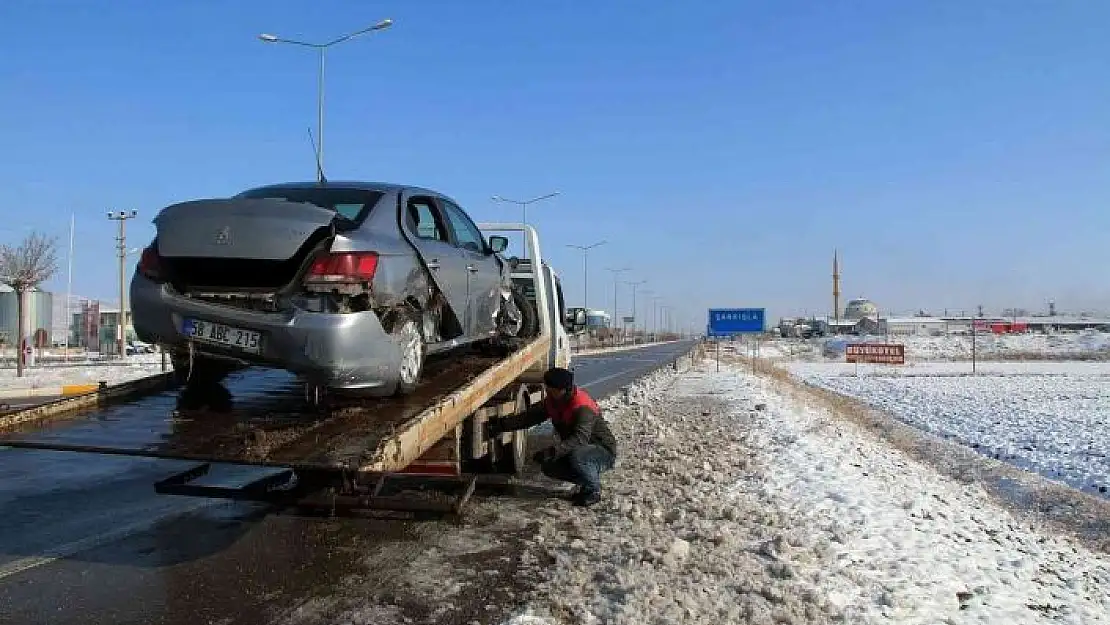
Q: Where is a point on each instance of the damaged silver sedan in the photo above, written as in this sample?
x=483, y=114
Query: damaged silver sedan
x=349, y=285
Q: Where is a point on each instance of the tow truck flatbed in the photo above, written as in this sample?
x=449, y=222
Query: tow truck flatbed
x=368, y=436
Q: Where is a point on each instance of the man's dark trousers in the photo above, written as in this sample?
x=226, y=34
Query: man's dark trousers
x=582, y=465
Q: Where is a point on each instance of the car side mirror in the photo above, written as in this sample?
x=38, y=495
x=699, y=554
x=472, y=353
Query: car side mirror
x=498, y=244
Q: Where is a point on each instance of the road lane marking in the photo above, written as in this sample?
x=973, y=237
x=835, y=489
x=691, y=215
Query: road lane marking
x=90, y=542
x=610, y=377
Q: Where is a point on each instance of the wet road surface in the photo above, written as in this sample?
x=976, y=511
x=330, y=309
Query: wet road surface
x=84, y=539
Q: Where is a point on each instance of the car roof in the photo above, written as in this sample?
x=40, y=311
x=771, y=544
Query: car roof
x=360, y=185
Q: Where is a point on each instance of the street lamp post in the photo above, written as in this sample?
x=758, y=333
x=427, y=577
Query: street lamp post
x=121, y=248
x=321, y=49
x=616, y=280
x=655, y=317
x=634, y=313
x=586, y=270
x=523, y=204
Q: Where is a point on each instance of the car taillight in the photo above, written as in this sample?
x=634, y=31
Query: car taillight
x=344, y=267
x=150, y=264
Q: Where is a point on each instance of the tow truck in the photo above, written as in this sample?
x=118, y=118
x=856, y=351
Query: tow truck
x=350, y=455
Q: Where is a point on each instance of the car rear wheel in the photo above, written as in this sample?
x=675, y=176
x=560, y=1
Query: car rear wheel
x=528, y=325
x=410, y=341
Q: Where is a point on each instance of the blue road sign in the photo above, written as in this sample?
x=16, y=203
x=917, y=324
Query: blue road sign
x=733, y=321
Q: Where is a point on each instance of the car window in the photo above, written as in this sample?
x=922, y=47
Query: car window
x=425, y=221
x=350, y=211
x=354, y=204
x=467, y=234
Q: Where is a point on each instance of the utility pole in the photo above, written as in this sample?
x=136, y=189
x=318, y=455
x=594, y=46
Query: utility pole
x=121, y=218
x=586, y=271
x=635, y=321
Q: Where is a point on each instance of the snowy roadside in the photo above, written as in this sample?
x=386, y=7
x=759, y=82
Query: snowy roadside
x=734, y=503
x=55, y=376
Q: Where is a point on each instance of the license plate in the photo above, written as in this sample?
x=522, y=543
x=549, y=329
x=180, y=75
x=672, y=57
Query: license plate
x=246, y=340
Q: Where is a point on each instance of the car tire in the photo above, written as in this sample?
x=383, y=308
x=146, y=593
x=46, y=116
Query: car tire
x=512, y=457
x=413, y=352
x=529, y=319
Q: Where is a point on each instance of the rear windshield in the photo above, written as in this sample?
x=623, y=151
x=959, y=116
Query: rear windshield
x=354, y=204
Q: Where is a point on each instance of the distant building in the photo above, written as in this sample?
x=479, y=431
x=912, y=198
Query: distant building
x=913, y=326
x=1017, y=325
x=861, y=309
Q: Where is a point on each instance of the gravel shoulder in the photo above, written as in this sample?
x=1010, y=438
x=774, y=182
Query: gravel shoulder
x=732, y=502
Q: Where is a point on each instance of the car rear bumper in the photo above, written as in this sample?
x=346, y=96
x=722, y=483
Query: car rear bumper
x=349, y=351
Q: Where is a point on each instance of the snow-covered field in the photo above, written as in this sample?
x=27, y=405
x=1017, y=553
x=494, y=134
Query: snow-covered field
x=1062, y=346
x=733, y=503
x=1049, y=417
x=90, y=372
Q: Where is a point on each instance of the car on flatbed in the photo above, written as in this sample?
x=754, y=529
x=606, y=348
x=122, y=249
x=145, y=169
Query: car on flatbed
x=349, y=285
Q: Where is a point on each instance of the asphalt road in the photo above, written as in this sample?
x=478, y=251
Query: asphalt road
x=85, y=540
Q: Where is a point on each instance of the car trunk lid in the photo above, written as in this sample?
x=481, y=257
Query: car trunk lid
x=258, y=229
x=255, y=244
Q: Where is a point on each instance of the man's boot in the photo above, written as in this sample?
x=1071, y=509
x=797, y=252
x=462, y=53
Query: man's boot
x=586, y=498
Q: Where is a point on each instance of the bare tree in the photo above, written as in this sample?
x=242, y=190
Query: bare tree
x=24, y=268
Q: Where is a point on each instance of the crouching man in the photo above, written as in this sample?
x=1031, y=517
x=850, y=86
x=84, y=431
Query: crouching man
x=585, y=446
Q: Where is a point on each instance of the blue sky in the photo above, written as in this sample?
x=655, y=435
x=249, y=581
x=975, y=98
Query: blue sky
x=956, y=153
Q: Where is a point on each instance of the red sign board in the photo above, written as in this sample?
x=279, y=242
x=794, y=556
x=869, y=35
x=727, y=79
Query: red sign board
x=884, y=353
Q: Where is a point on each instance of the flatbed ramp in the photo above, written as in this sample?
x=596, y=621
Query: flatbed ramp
x=369, y=436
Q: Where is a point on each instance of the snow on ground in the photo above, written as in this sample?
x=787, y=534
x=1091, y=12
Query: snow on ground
x=1048, y=417
x=732, y=503
x=49, y=376
x=1059, y=346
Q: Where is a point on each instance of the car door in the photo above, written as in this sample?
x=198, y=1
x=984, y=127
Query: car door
x=481, y=266
x=431, y=234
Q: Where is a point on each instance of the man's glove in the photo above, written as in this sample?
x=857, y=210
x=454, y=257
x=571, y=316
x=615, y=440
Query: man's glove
x=543, y=455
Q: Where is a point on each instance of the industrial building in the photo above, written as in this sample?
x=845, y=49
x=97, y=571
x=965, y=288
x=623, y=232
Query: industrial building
x=39, y=316
x=913, y=326
x=96, y=328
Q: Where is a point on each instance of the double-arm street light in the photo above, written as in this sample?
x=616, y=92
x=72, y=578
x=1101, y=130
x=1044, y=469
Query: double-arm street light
x=586, y=270
x=322, y=48
x=523, y=204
